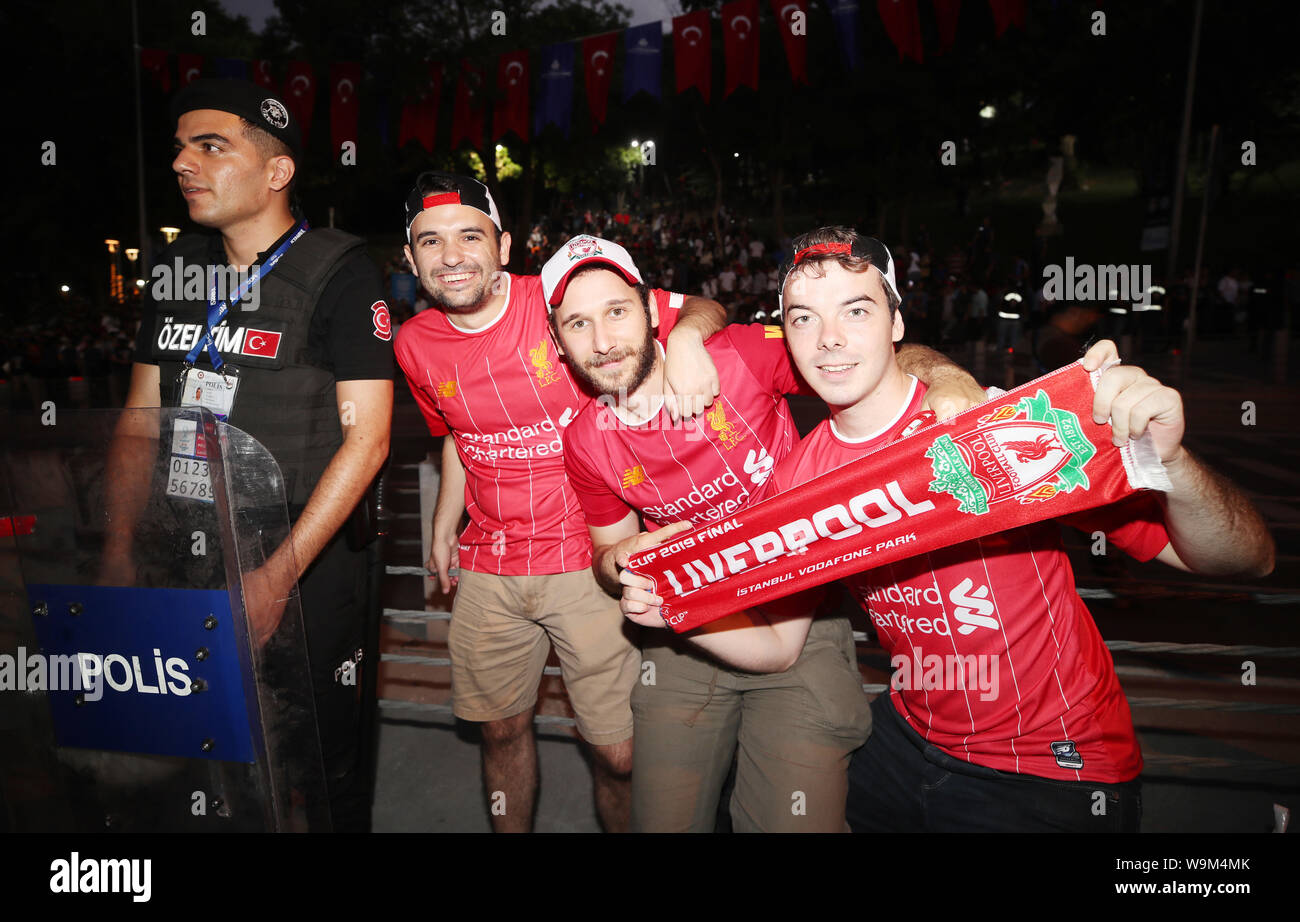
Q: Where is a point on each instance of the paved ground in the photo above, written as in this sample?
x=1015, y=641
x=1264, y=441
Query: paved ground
x=1207, y=769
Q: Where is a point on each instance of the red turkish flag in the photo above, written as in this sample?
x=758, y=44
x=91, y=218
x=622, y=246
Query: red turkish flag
x=947, y=12
x=345, y=84
x=262, y=74
x=691, y=52
x=511, y=110
x=154, y=61
x=420, y=118
x=903, y=25
x=740, y=44
x=261, y=342
x=1007, y=13
x=300, y=95
x=794, y=37
x=189, y=67
x=467, y=111
x=597, y=68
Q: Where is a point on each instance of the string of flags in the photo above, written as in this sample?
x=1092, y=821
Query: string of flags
x=642, y=50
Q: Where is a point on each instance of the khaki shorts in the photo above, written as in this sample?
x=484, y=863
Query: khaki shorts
x=792, y=735
x=502, y=629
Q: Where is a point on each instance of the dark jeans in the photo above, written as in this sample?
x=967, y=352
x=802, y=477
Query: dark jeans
x=900, y=783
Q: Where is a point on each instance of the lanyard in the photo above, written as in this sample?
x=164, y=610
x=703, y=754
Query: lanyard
x=218, y=309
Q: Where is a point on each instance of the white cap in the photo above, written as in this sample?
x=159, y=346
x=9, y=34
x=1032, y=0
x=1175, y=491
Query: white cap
x=580, y=251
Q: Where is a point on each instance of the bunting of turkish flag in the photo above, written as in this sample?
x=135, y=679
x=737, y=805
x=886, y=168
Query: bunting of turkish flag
x=467, y=110
x=300, y=95
x=947, y=12
x=903, y=24
x=1007, y=13
x=154, y=61
x=262, y=74
x=419, y=120
x=511, y=110
x=794, y=35
x=691, y=52
x=740, y=44
x=597, y=69
x=345, y=81
x=189, y=67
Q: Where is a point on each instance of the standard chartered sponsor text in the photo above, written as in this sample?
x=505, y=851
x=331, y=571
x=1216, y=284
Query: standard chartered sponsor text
x=512, y=444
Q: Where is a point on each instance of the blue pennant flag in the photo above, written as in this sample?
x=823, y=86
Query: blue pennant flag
x=643, y=55
x=845, y=14
x=555, y=99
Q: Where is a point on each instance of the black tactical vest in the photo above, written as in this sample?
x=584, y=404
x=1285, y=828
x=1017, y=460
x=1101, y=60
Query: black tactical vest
x=285, y=403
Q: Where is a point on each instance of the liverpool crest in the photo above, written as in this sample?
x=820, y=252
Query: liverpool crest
x=728, y=434
x=1028, y=451
x=582, y=247
x=543, y=367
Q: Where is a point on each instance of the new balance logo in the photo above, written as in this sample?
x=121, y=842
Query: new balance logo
x=1066, y=755
x=633, y=476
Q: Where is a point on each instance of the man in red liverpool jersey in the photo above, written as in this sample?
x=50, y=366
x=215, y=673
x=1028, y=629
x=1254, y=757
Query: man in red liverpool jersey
x=793, y=723
x=484, y=370
x=1004, y=712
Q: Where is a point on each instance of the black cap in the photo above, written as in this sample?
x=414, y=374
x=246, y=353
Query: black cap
x=461, y=190
x=255, y=104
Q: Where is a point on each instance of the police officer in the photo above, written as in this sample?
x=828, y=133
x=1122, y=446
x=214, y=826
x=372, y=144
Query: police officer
x=311, y=363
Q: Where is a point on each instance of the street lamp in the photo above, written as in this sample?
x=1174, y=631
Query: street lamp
x=170, y=234
x=114, y=276
x=988, y=112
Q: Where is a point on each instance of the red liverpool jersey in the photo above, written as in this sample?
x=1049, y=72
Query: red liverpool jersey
x=995, y=657
x=506, y=397
x=701, y=469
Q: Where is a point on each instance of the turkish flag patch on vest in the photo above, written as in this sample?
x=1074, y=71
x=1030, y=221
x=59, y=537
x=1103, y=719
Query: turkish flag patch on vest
x=383, y=323
x=261, y=342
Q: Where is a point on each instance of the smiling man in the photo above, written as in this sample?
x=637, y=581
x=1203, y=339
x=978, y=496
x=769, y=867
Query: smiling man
x=485, y=372
x=1048, y=744
x=311, y=357
x=791, y=730
x=791, y=722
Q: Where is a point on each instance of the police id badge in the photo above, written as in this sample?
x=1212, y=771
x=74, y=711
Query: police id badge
x=188, y=474
x=214, y=391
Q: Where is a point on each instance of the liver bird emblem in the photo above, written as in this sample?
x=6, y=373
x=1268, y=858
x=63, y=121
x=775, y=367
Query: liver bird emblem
x=1031, y=451
x=541, y=361
x=727, y=432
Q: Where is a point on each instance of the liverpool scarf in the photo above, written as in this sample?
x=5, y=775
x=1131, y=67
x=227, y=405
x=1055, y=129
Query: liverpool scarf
x=1031, y=454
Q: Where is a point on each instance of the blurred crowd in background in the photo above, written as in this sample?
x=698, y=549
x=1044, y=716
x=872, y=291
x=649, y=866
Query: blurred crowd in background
x=955, y=293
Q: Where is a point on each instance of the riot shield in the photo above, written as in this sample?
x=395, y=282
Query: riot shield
x=135, y=695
